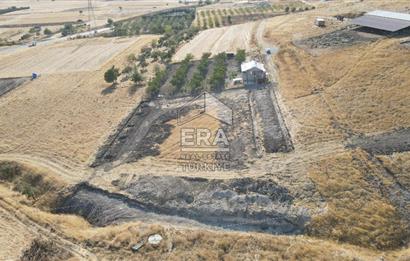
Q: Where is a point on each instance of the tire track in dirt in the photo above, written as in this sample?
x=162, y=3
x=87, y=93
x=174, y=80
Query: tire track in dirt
x=70, y=173
x=37, y=229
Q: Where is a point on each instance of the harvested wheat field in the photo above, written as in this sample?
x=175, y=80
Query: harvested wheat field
x=217, y=40
x=64, y=57
x=64, y=114
x=43, y=12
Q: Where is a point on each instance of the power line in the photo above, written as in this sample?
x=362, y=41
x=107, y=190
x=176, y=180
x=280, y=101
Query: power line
x=91, y=14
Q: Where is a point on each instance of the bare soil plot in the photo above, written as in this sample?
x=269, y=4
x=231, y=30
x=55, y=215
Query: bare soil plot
x=153, y=130
x=71, y=108
x=64, y=57
x=217, y=40
x=272, y=134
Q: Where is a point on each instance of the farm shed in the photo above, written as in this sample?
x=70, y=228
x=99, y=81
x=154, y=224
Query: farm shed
x=253, y=72
x=384, y=20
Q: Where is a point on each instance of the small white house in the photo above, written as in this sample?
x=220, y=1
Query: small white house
x=320, y=22
x=253, y=72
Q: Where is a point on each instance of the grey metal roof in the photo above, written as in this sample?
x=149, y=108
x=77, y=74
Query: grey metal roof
x=381, y=22
x=388, y=14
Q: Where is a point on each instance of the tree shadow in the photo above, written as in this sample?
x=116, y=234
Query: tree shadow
x=110, y=89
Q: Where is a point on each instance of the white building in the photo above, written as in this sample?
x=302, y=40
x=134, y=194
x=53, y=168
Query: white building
x=253, y=73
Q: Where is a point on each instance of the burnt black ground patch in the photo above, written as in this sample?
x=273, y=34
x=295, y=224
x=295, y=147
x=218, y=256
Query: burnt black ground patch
x=255, y=130
x=238, y=204
x=8, y=84
x=337, y=39
x=386, y=143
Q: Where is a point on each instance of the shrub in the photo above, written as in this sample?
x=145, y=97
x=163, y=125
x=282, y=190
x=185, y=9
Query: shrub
x=127, y=70
x=47, y=31
x=199, y=76
x=25, y=36
x=178, y=80
x=111, y=75
x=136, y=76
x=67, y=30
x=9, y=171
x=240, y=56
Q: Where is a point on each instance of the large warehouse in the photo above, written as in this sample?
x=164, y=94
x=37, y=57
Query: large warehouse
x=384, y=20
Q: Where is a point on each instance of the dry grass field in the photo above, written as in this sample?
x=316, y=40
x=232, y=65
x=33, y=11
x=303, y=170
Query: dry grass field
x=217, y=40
x=30, y=217
x=69, y=11
x=64, y=57
x=329, y=99
x=67, y=115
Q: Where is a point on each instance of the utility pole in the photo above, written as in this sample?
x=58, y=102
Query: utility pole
x=91, y=14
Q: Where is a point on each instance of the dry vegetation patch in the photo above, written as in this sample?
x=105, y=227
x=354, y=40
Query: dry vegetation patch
x=357, y=212
x=66, y=116
x=398, y=165
x=63, y=57
x=218, y=40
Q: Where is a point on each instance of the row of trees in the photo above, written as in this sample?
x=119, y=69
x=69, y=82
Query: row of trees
x=218, y=17
x=217, y=80
x=196, y=84
x=154, y=85
x=175, y=29
x=153, y=24
x=179, y=78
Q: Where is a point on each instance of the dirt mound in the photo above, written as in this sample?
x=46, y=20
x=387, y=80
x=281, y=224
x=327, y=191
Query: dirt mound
x=44, y=250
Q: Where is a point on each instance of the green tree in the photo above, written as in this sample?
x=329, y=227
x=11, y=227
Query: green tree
x=179, y=78
x=111, y=75
x=217, y=80
x=154, y=85
x=136, y=76
x=25, y=36
x=47, y=31
x=240, y=55
x=67, y=30
x=229, y=19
